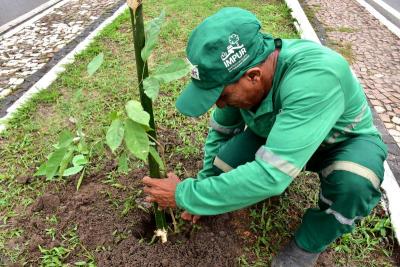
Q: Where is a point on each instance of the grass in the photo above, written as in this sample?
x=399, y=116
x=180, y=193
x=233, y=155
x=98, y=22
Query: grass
x=340, y=29
x=343, y=48
x=36, y=126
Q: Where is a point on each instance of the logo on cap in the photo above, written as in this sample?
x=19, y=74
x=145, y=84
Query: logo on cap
x=235, y=55
x=194, y=72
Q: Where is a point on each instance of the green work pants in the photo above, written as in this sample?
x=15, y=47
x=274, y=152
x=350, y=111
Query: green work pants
x=350, y=174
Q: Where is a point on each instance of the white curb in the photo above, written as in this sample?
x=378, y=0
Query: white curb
x=52, y=75
x=389, y=185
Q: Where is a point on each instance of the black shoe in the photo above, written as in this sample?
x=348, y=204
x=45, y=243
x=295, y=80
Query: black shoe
x=293, y=256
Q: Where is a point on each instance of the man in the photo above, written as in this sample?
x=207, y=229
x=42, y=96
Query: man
x=282, y=105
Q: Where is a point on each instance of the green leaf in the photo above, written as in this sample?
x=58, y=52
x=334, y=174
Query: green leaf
x=136, y=113
x=115, y=134
x=66, y=160
x=177, y=69
x=65, y=139
x=151, y=87
x=152, y=31
x=136, y=139
x=123, y=163
x=73, y=170
x=78, y=185
x=79, y=160
x=156, y=157
x=95, y=64
x=54, y=162
x=83, y=147
x=41, y=170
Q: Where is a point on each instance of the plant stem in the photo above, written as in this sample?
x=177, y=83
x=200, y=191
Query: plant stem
x=142, y=73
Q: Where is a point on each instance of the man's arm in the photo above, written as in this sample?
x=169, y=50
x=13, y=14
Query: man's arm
x=224, y=123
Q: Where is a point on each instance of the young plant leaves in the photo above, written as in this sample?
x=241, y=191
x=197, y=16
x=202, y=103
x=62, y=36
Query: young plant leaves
x=151, y=87
x=73, y=170
x=157, y=158
x=41, y=170
x=66, y=138
x=173, y=71
x=95, y=64
x=115, y=134
x=66, y=160
x=136, y=113
x=136, y=139
x=79, y=160
x=54, y=162
x=152, y=31
x=177, y=69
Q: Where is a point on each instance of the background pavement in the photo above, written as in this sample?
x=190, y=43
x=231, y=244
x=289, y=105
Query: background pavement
x=374, y=54
x=28, y=54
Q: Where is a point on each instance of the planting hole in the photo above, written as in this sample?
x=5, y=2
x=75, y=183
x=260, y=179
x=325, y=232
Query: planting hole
x=145, y=229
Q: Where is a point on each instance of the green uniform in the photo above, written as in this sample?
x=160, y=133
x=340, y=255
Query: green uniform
x=315, y=115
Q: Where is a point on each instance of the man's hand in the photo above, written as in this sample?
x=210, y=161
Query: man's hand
x=189, y=217
x=161, y=191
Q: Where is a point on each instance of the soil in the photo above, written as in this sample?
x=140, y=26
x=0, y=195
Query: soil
x=94, y=214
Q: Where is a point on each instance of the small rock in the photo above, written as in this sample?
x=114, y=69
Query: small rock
x=394, y=132
x=46, y=202
x=396, y=120
x=23, y=179
x=5, y=93
x=222, y=233
x=379, y=109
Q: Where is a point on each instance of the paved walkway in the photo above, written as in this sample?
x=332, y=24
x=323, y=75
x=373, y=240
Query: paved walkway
x=374, y=52
x=25, y=55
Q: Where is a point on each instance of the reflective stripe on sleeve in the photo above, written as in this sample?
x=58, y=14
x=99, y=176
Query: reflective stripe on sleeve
x=222, y=165
x=350, y=127
x=276, y=161
x=325, y=200
x=353, y=168
x=224, y=130
x=339, y=217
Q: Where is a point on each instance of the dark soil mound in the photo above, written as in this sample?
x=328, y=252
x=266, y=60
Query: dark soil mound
x=95, y=214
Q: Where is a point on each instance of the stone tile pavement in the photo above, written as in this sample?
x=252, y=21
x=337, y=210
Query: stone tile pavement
x=374, y=53
x=28, y=54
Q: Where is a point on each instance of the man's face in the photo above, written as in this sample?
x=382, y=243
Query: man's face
x=245, y=93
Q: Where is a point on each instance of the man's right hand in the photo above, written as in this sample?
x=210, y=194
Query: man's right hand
x=189, y=217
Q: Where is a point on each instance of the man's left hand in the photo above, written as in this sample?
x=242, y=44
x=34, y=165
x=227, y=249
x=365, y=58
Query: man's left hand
x=161, y=191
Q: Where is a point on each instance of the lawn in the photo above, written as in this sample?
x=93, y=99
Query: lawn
x=106, y=222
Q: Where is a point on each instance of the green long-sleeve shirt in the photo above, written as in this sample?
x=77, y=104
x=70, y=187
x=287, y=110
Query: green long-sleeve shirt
x=314, y=101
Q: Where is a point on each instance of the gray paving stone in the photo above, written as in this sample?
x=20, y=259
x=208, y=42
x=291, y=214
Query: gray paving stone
x=33, y=46
x=375, y=61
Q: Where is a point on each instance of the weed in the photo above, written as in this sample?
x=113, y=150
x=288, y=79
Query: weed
x=54, y=256
x=51, y=232
x=340, y=29
x=343, y=48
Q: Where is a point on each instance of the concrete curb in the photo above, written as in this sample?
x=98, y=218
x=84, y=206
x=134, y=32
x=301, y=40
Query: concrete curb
x=389, y=185
x=52, y=75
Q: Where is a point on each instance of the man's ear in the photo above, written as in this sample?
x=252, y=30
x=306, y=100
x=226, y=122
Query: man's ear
x=253, y=74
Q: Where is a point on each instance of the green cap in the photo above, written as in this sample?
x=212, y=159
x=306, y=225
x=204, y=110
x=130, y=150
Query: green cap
x=221, y=49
